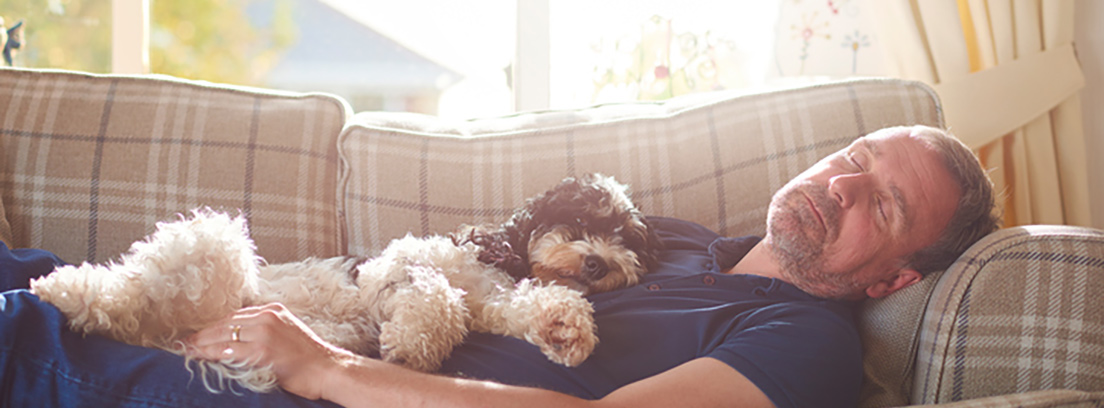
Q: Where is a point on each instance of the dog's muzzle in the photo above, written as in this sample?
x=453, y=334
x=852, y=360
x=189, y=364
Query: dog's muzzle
x=594, y=267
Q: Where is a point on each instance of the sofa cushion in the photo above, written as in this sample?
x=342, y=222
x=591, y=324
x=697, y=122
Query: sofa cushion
x=1020, y=311
x=713, y=158
x=89, y=163
x=890, y=331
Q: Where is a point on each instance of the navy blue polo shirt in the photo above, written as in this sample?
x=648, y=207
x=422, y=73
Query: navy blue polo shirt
x=798, y=349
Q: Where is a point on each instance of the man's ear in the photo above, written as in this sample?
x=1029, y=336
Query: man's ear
x=904, y=278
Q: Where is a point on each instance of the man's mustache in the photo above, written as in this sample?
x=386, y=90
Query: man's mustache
x=827, y=206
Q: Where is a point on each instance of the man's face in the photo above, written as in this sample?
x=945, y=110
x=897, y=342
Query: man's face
x=852, y=219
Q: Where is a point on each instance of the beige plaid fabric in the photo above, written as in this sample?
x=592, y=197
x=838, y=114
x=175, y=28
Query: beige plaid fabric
x=1020, y=311
x=714, y=159
x=1033, y=399
x=889, y=328
x=89, y=163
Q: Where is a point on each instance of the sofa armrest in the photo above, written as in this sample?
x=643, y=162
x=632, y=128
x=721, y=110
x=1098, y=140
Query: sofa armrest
x=1032, y=399
x=1020, y=311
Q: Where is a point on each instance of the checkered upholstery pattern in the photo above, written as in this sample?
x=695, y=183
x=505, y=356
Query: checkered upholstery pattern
x=1033, y=399
x=1020, y=311
x=89, y=163
x=889, y=329
x=714, y=159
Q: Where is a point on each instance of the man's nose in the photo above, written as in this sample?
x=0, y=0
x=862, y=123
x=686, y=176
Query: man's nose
x=847, y=188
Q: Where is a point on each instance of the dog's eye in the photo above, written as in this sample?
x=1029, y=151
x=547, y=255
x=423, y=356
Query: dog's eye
x=581, y=222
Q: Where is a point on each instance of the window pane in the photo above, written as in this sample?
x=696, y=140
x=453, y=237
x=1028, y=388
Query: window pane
x=653, y=49
x=218, y=40
x=63, y=34
x=430, y=56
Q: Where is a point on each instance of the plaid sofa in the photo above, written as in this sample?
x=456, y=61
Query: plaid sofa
x=88, y=164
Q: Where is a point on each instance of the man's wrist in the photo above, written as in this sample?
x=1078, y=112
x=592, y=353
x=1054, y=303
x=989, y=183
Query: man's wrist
x=339, y=377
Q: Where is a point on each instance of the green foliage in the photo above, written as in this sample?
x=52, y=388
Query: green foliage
x=212, y=40
x=219, y=43
x=69, y=34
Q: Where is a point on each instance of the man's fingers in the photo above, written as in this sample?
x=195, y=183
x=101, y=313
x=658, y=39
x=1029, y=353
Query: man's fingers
x=233, y=351
x=246, y=320
x=247, y=313
x=274, y=307
x=217, y=334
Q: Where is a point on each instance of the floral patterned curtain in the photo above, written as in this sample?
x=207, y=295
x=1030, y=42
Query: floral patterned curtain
x=826, y=38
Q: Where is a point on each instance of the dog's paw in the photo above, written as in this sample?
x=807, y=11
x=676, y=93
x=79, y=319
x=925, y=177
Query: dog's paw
x=395, y=348
x=565, y=331
x=413, y=349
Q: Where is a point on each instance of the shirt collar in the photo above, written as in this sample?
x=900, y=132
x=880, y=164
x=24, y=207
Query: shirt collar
x=727, y=252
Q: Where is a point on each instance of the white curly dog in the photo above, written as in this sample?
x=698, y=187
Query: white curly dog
x=410, y=305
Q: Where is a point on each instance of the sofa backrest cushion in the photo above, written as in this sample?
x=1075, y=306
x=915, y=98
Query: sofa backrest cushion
x=89, y=163
x=714, y=158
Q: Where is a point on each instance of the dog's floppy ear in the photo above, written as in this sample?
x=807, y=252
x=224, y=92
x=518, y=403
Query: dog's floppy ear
x=495, y=248
x=645, y=242
x=517, y=231
x=639, y=235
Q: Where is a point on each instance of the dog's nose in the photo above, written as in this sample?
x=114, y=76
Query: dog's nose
x=594, y=267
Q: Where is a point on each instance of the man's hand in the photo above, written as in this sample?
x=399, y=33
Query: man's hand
x=308, y=366
x=272, y=335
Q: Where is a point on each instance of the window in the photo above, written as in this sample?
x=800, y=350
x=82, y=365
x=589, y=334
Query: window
x=450, y=58
x=226, y=41
x=436, y=57
x=453, y=59
x=653, y=49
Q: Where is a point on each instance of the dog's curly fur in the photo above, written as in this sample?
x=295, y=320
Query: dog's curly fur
x=410, y=305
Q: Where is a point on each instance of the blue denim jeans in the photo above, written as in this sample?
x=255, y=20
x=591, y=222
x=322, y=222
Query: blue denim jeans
x=44, y=364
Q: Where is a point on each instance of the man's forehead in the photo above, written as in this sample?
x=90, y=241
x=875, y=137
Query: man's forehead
x=860, y=143
x=872, y=141
x=864, y=143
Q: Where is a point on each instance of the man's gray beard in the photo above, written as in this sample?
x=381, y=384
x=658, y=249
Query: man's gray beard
x=799, y=251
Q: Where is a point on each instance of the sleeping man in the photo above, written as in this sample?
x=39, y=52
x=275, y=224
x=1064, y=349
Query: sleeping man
x=721, y=321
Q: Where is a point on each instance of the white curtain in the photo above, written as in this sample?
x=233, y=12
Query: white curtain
x=1006, y=73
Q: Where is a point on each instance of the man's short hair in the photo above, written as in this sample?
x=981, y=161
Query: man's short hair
x=975, y=216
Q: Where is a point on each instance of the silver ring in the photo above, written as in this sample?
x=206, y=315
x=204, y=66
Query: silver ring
x=235, y=333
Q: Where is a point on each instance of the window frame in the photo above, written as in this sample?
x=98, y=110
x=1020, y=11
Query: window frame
x=130, y=36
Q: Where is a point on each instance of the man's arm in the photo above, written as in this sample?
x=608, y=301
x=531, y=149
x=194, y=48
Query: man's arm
x=308, y=366
x=704, y=382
